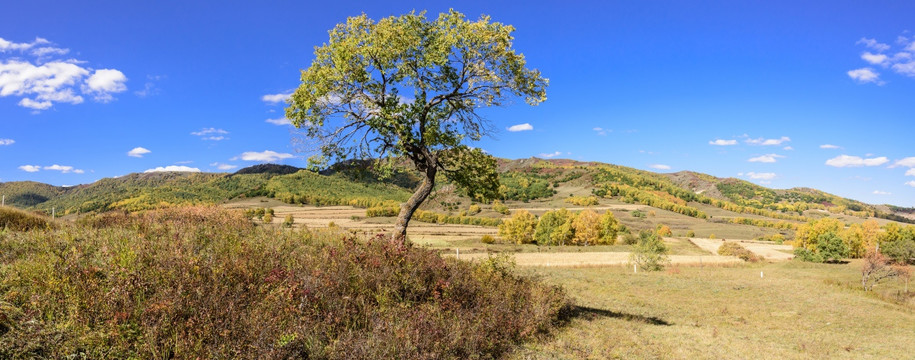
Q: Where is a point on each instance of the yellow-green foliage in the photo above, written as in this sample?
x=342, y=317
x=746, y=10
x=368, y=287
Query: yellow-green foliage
x=474, y=209
x=730, y=248
x=206, y=283
x=386, y=210
x=15, y=219
x=520, y=228
x=782, y=225
x=306, y=187
x=437, y=218
x=487, y=239
x=582, y=200
x=663, y=230
x=500, y=208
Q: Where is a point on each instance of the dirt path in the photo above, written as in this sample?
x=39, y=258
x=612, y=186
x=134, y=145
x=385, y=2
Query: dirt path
x=768, y=250
x=598, y=259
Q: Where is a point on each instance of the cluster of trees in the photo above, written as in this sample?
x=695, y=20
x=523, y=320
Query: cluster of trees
x=828, y=239
x=562, y=227
x=740, y=209
x=781, y=225
x=307, y=187
x=658, y=199
x=524, y=186
x=438, y=218
x=582, y=200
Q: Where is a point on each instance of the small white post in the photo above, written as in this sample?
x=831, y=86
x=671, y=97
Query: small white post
x=635, y=270
x=760, y=274
x=53, y=212
x=457, y=253
x=3, y=202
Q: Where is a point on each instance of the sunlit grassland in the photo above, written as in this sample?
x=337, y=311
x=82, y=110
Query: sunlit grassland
x=794, y=311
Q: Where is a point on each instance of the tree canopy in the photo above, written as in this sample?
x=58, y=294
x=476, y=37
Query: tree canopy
x=409, y=87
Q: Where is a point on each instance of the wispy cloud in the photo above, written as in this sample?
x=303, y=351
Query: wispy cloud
x=768, y=158
x=906, y=162
x=900, y=62
x=276, y=98
x=138, y=152
x=551, y=155
x=105, y=82
x=878, y=192
x=279, y=121
x=768, y=142
x=910, y=172
x=721, y=142
x=63, y=169
x=5, y=142
x=759, y=176
x=173, y=168
x=30, y=168
x=212, y=134
x=223, y=167
x=865, y=75
x=520, y=127
x=910, y=183
x=601, y=131
x=264, y=156
x=787, y=148
x=829, y=146
x=873, y=44
x=659, y=166
x=856, y=161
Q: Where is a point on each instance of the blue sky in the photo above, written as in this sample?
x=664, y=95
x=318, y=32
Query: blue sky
x=813, y=95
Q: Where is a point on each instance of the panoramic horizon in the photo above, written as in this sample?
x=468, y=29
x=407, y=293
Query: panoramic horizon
x=779, y=94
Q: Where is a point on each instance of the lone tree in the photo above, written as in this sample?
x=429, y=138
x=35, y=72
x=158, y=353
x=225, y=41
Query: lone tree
x=408, y=87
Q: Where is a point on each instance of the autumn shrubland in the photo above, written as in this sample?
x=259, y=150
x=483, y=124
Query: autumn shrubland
x=201, y=282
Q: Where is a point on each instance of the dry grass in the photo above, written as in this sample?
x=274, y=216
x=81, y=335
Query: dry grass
x=796, y=311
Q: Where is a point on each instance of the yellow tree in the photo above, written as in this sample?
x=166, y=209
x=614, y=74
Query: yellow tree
x=807, y=234
x=586, y=227
x=520, y=228
x=609, y=228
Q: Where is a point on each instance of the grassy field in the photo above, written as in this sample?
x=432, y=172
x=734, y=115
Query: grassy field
x=796, y=311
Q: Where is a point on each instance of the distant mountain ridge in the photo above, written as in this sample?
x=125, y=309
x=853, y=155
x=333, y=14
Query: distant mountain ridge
x=354, y=182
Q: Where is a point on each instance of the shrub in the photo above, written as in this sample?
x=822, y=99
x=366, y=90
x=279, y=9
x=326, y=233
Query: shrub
x=500, y=208
x=629, y=238
x=690, y=234
x=206, y=283
x=664, y=230
x=15, y=219
x=582, y=200
x=650, y=252
x=268, y=218
x=487, y=239
x=383, y=210
x=730, y=248
x=638, y=214
x=474, y=209
x=288, y=221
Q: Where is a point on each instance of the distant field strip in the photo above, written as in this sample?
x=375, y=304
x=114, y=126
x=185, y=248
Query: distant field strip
x=598, y=259
x=769, y=251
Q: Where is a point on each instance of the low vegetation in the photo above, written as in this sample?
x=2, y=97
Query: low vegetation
x=730, y=248
x=15, y=219
x=205, y=283
x=562, y=227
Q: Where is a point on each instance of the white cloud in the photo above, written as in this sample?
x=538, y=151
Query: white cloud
x=788, y=148
x=875, y=59
x=4, y=142
x=910, y=183
x=768, y=158
x=29, y=168
x=64, y=169
x=42, y=81
x=103, y=83
x=907, y=69
x=910, y=172
x=906, y=162
x=864, y=75
x=138, y=152
x=760, y=176
x=829, y=146
x=601, y=131
x=878, y=192
x=873, y=44
x=856, y=161
x=520, y=127
x=223, y=166
x=175, y=168
x=720, y=142
x=279, y=121
x=212, y=134
x=551, y=155
x=659, y=166
x=264, y=156
x=276, y=98
x=768, y=142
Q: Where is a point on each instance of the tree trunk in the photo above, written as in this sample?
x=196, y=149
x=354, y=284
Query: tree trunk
x=408, y=208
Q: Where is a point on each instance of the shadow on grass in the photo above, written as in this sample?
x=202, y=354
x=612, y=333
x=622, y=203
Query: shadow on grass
x=589, y=313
